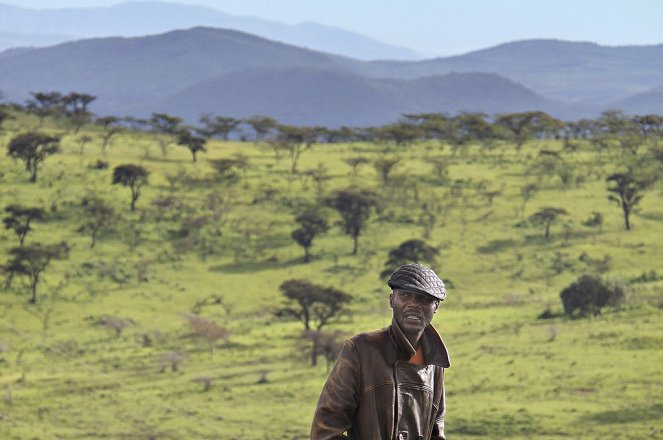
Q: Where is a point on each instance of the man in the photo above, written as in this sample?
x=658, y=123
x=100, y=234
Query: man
x=389, y=384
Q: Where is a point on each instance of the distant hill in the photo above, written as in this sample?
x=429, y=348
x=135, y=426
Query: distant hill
x=200, y=70
x=308, y=96
x=650, y=101
x=129, y=71
x=575, y=72
x=29, y=27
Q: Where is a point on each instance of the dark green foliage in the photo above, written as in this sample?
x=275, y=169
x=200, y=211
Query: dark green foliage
x=321, y=305
x=596, y=220
x=546, y=216
x=524, y=125
x=45, y=104
x=312, y=303
x=295, y=140
x=383, y=167
x=19, y=218
x=626, y=192
x=98, y=215
x=262, y=125
x=411, y=251
x=311, y=223
x=111, y=128
x=226, y=169
x=589, y=294
x=75, y=108
x=355, y=207
x=167, y=127
x=219, y=126
x=133, y=176
x=192, y=142
x=31, y=260
x=355, y=162
x=33, y=149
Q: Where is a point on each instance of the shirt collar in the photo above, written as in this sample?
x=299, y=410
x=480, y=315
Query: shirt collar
x=435, y=351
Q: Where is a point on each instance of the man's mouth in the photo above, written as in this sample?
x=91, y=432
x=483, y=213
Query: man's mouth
x=413, y=317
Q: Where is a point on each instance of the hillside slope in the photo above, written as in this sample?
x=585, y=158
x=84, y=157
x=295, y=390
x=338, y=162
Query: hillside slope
x=329, y=98
x=567, y=71
x=136, y=18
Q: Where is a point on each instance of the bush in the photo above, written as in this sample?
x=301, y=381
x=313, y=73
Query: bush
x=590, y=293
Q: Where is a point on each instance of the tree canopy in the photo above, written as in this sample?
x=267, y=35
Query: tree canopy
x=33, y=149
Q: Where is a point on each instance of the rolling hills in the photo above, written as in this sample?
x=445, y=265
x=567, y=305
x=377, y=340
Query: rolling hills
x=207, y=70
x=30, y=27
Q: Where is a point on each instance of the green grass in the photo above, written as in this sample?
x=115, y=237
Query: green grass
x=512, y=375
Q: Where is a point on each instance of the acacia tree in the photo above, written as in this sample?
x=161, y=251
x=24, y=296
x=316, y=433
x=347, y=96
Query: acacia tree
x=525, y=124
x=314, y=305
x=19, y=218
x=355, y=163
x=167, y=127
x=44, y=104
x=262, y=125
x=194, y=143
x=111, y=128
x=133, y=176
x=626, y=192
x=355, y=207
x=407, y=252
x=295, y=140
x=383, y=167
x=311, y=225
x=546, y=216
x=75, y=106
x=99, y=215
x=33, y=149
x=219, y=126
x=31, y=261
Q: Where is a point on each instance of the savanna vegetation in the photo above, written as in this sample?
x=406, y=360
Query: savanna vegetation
x=165, y=281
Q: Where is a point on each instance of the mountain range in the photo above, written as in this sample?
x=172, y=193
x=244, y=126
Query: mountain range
x=225, y=72
x=29, y=27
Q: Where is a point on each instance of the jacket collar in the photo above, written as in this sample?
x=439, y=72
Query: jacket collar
x=435, y=352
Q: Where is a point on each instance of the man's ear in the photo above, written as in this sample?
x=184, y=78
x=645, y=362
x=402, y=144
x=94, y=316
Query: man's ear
x=391, y=300
x=437, y=306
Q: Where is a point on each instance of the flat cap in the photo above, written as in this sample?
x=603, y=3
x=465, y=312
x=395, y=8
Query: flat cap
x=419, y=279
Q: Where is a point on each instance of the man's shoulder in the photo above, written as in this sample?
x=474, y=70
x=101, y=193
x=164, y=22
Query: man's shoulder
x=370, y=338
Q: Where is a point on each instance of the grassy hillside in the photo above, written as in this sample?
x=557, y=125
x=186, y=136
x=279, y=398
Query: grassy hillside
x=94, y=358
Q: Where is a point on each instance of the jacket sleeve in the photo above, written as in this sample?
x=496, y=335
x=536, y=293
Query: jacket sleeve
x=438, y=426
x=339, y=399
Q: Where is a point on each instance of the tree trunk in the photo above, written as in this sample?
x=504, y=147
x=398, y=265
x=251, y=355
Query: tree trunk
x=307, y=257
x=314, y=352
x=627, y=223
x=33, y=287
x=354, y=249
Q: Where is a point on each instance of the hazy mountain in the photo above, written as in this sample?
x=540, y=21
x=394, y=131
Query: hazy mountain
x=574, y=72
x=331, y=98
x=190, y=72
x=45, y=27
x=650, y=101
x=130, y=71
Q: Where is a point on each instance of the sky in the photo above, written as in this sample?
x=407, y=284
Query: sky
x=445, y=27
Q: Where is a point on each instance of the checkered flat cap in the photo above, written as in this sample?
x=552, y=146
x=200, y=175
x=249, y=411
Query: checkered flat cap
x=419, y=279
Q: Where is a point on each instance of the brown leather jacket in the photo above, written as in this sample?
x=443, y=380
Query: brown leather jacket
x=374, y=393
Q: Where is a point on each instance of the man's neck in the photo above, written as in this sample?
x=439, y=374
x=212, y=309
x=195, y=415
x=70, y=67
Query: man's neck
x=414, y=339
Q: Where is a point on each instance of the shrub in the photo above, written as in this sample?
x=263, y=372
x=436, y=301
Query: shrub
x=590, y=293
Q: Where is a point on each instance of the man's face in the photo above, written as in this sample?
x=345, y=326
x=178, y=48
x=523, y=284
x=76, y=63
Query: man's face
x=412, y=311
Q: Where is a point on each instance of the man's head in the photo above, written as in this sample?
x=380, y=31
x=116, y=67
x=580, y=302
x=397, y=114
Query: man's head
x=416, y=293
